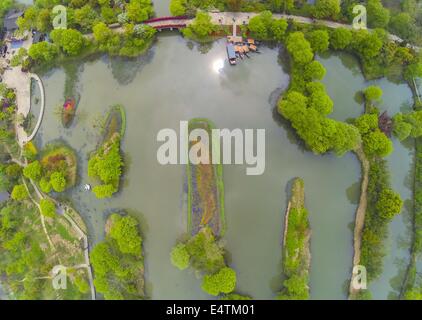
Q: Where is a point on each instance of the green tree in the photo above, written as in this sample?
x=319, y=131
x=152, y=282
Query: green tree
x=85, y=17
x=319, y=40
x=340, y=38
x=180, y=256
x=13, y=170
x=367, y=44
x=296, y=288
x=58, y=181
x=282, y=5
x=372, y=93
x=326, y=9
x=378, y=16
x=389, y=204
x=206, y=255
x=33, y=171
x=19, y=192
x=414, y=70
x=178, y=7
x=321, y=101
x=28, y=20
x=43, y=51
x=139, y=10
x=5, y=182
x=104, y=191
x=71, y=41
x=278, y=29
x=45, y=185
x=107, y=40
x=81, y=284
x=314, y=71
x=261, y=25
x=299, y=48
x=401, y=128
x=48, y=208
x=403, y=25
x=201, y=26
x=43, y=22
x=224, y=281
x=126, y=233
x=376, y=143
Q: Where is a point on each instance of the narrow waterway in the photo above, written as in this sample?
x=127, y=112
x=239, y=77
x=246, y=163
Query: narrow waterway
x=343, y=80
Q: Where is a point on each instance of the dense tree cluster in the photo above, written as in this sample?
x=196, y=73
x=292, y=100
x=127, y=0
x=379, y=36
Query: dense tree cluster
x=223, y=281
x=94, y=16
x=201, y=28
x=326, y=9
x=375, y=142
x=205, y=255
x=118, y=260
x=307, y=104
x=264, y=27
x=106, y=165
x=383, y=204
x=408, y=124
x=130, y=43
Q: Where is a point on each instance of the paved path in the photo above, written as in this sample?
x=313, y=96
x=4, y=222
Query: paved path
x=15, y=79
x=228, y=18
x=360, y=216
x=20, y=81
x=41, y=115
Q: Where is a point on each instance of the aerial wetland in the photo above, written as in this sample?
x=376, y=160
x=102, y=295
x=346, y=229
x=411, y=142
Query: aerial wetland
x=332, y=183
x=153, y=90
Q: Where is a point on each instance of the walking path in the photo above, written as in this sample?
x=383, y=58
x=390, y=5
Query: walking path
x=41, y=115
x=360, y=216
x=242, y=18
x=21, y=83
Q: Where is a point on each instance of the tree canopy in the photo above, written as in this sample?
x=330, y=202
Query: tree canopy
x=224, y=281
x=329, y=9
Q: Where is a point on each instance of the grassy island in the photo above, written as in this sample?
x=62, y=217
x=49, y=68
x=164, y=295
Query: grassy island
x=296, y=242
x=118, y=261
x=105, y=165
x=205, y=189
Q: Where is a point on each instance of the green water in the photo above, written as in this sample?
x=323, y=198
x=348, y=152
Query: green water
x=343, y=80
x=175, y=82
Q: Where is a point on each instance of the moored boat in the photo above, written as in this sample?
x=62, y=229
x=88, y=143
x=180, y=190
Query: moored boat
x=69, y=111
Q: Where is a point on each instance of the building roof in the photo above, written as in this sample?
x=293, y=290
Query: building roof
x=230, y=51
x=10, y=20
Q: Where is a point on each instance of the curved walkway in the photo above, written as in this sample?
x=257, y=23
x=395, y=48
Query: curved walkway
x=41, y=115
x=20, y=81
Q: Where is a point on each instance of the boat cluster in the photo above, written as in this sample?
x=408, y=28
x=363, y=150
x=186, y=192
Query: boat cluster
x=237, y=47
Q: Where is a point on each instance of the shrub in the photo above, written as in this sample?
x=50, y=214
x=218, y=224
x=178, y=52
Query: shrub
x=19, y=192
x=45, y=185
x=58, y=181
x=180, y=256
x=33, y=171
x=125, y=231
x=224, y=281
x=48, y=208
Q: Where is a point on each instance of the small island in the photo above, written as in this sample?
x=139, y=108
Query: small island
x=106, y=164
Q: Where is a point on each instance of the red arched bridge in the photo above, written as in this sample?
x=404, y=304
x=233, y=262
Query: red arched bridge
x=168, y=23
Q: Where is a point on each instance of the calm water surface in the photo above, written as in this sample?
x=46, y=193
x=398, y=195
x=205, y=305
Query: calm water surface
x=177, y=81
